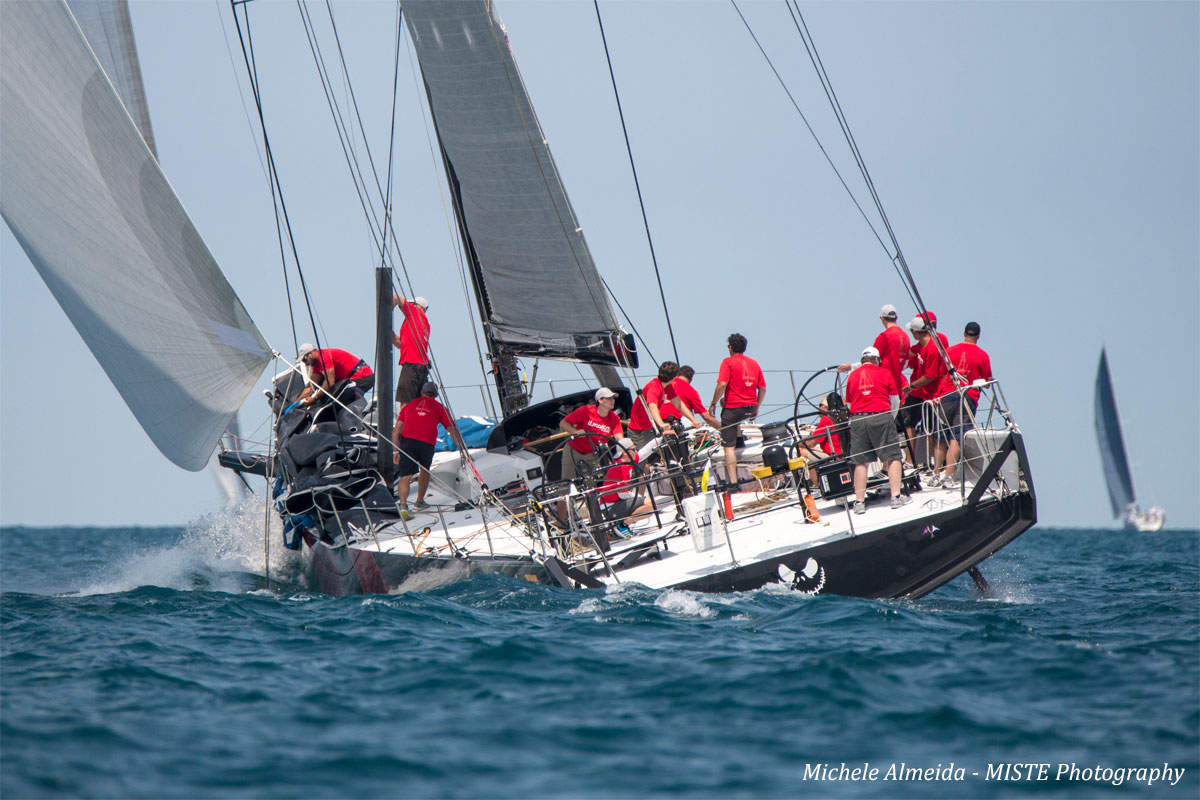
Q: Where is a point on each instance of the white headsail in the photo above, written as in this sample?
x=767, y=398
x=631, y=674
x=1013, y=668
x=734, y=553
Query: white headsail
x=87, y=201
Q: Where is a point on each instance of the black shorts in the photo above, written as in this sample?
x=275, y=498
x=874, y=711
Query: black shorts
x=412, y=378
x=414, y=454
x=731, y=423
x=910, y=413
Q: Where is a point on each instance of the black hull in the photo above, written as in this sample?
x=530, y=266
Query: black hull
x=908, y=560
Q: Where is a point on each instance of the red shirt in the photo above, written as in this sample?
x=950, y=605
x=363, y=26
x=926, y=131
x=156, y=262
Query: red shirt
x=892, y=344
x=588, y=418
x=972, y=363
x=414, y=335
x=744, y=377
x=421, y=418
x=652, y=392
x=343, y=364
x=827, y=438
x=930, y=365
x=868, y=388
x=687, y=395
x=615, y=479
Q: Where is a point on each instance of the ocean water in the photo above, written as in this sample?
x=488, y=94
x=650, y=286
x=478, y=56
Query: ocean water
x=159, y=663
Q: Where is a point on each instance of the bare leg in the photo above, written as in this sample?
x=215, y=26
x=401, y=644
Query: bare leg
x=860, y=482
x=402, y=489
x=952, y=453
x=894, y=471
x=731, y=464
x=422, y=484
x=911, y=437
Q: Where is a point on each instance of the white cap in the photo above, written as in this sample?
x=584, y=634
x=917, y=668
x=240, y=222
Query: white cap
x=625, y=444
x=917, y=325
x=870, y=352
x=604, y=392
x=888, y=312
x=304, y=350
x=422, y=302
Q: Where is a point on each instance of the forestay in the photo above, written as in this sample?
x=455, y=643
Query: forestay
x=537, y=284
x=1112, y=443
x=84, y=196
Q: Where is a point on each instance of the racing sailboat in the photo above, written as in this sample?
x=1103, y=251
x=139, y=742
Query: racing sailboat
x=113, y=224
x=1113, y=457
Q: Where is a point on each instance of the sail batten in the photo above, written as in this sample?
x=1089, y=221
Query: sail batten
x=1112, y=444
x=84, y=196
x=538, y=286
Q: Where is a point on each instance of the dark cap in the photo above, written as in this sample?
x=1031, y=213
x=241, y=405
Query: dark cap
x=429, y=389
x=972, y=329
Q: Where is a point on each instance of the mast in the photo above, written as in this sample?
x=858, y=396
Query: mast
x=536, y=286
x=383, y=374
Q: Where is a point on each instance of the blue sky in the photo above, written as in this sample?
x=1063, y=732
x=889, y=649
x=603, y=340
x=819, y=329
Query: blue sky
x=1038, y=161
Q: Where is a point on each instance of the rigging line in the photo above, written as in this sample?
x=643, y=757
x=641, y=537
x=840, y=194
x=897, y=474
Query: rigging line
x=247, y=45
x=632, y=327
x=827, y=85
x=354, y=102
x=810, y=128
x=898, y=259
x=636, y=183
x=387, y=200
x=500, y=50
x=241, y=94
x=339, y=125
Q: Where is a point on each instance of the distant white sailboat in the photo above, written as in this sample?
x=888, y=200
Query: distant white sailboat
x=1116, y=462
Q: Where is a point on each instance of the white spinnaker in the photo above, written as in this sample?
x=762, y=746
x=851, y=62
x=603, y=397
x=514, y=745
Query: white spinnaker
x=84, y=196
x=109, y=31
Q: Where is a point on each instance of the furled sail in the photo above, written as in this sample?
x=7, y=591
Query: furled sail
x=86, y=200
x=109, y=31
x=1112, y=443
x=538, y=288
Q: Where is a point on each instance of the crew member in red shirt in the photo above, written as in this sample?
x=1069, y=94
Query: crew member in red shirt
x=414, y=438
x=687, y=399
x=652, y=411
x=617, y=498
x=413, y=341
x=742, y=387
x=892, y=343
x=601, y=420
x=328, y=367
x=971, y=363
x=825, y=441
x=931, y=382
x=872, y=430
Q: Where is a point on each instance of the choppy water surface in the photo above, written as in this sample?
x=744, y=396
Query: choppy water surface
x=157, y=663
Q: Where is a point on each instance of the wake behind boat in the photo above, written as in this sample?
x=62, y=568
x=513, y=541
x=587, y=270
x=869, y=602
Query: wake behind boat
x=504, y=507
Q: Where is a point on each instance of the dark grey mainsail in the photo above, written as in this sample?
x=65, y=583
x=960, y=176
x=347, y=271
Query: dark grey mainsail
x=87, y=201
x=1112, y=443
x=535, y=281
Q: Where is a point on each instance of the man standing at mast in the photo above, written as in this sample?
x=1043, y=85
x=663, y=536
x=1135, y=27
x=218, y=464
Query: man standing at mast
x=413, y=341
